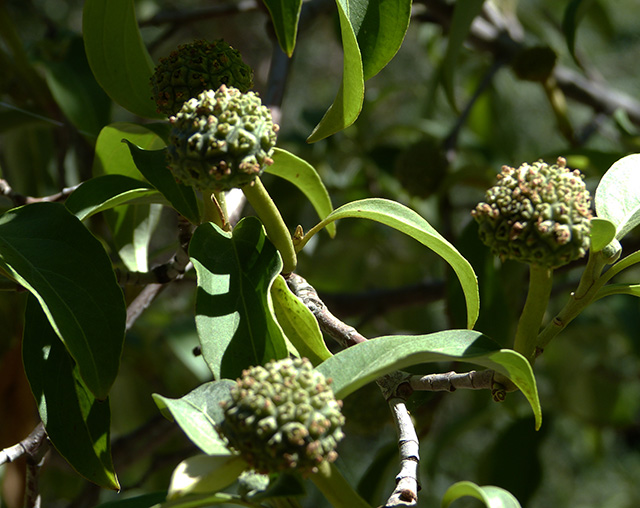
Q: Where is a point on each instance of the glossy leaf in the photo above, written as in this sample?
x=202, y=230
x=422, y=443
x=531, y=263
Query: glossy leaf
x=618, y=195
x=105, y=192
x=76, y=422
x=113, y=156
x=304, y=176
x=204, y=500
x=492, y=497
x=198, y=412
x=407, y=221
x=603, y=232
x=360, y=364
x=285, y=15
x=463, y=15
x=348, y=103
x=234, y=314
x=47, y=250
x=380, y=27
x=206, y=473
x=143, y=501
x=298, y=323
x=118, y=58
x=153, y=165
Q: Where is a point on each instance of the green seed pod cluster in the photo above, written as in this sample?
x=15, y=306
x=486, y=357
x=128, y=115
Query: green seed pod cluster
x=220, y=140
x=194, y=68
x=283, y=416
x=537, y=214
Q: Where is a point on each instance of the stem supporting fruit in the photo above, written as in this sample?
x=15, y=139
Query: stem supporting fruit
x=277, y=230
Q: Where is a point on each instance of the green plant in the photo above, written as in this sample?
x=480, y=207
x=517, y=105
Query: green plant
x=151, y=204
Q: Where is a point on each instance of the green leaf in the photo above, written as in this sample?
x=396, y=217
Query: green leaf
x=304, y=176
x=153, y=165
x=618, y=289
x=618, y=195
x=285, y=15
x=492, y=497
x=348, y=103
x=197, y=413
x=47, y=250
x=205, y=474
x=573, y=13
x=380, y=27
x=77, y=423
x=143, y=501
x=117, y=56
x=76, y=91
x=204, y=500
x=105, y=192
x=360, y=364
x=407, y=221
x=298, y=323
x=603, y=232
x=114, y=157
x=234, y=315
x=463, y=15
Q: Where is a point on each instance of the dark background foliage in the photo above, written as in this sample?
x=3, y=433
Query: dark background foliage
x=409, y=145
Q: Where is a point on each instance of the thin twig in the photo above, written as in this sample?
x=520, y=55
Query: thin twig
x=19, y=199
x=342, y=333
x=407, y=484
x=452, y=381
x=29, y=444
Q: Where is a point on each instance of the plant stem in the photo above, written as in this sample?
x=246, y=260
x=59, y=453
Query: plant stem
x=277, y=230
x=336, y=489
x=214, y=209
x=540, y=282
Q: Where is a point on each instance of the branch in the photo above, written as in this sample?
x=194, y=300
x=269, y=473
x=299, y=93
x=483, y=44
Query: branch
x=342, y=333
x=407, y=484
x=452, y=381
x=28, y=446
x=19, y=199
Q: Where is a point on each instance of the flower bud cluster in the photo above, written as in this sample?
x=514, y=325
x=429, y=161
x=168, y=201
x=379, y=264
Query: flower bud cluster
x=220, y=140
x=283, y=416
x=537, y=214
x=194, y=68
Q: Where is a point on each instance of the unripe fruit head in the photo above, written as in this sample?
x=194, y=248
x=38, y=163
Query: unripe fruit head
x=220, y=140
x=283, y=416
x=537, y=214
x=194, y=68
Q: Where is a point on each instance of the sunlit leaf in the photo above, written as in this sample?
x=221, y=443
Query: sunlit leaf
x=407, y=221
x=618, y=195
x=492, y=497
x=360, y=364
x=348, y=103
x=77, y=423
x=602, y=233
x=118, y=58
x=298, y=323
x=304, y=176
x=153, y=165
x=143, y=501
x=113, y=156
x=206, y=473
x=233, y=309
x=47, y=250
x=105, y=192
x=198, y=413
x=285, y=15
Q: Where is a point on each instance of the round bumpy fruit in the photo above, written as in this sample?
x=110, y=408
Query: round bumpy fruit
x=194, y=68
x=537, y=214
x=283, y=416
x=221, y=139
